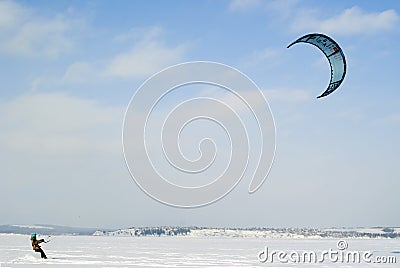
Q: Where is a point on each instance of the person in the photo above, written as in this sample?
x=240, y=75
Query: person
x=36, y=247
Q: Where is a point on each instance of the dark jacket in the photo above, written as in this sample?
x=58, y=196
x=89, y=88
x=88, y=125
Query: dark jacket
x=35, y=243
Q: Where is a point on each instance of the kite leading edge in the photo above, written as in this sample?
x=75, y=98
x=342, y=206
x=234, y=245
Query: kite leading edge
x=334, y=54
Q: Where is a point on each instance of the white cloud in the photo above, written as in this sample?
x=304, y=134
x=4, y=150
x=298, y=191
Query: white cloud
x=11, y=15
x=57, y=124
x=241, y=5
x=23, y=32
x=81, y=71
x=350, y=21
x=144, y=59
x=148, y=55
x=66, y=148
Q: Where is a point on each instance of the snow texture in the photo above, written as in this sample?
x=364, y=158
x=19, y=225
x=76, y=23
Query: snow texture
x=176, y=251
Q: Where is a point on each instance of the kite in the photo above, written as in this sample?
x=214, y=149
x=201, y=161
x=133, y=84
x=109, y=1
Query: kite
x=333, y=53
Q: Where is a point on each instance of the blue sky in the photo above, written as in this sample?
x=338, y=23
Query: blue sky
x=69, y=69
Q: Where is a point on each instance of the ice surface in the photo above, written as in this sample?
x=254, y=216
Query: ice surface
x=176, y=251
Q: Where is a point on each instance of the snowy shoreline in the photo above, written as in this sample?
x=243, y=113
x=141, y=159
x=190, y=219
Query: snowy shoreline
x=381, y=233
x=193, y=231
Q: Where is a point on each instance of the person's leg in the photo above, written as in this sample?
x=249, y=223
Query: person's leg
x=42, y=255
x=38, y=250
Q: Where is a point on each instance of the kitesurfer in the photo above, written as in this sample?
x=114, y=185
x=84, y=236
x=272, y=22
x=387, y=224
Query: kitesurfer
x=36, y=247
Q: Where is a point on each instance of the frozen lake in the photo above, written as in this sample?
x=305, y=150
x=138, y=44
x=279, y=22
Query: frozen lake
x=92, y=251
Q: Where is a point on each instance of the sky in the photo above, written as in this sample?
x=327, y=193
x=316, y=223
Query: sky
x=70, y=68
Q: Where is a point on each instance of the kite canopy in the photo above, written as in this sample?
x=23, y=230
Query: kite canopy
x=334, y=55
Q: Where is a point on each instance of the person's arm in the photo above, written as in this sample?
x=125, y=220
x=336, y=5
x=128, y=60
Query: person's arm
x=40, y=241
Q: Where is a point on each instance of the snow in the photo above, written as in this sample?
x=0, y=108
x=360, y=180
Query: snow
x=176, y=251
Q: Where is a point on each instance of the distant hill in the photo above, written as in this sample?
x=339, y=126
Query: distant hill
x=193, y=231
x=375, y=232
x=44, y=229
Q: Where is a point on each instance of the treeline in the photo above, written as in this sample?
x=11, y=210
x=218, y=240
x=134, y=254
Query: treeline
x=252, y=232
x=147, y=231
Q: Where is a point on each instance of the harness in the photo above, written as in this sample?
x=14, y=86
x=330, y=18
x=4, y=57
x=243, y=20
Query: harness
x=35, y=244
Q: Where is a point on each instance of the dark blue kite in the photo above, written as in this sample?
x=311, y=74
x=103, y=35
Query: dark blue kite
x=335, y=57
